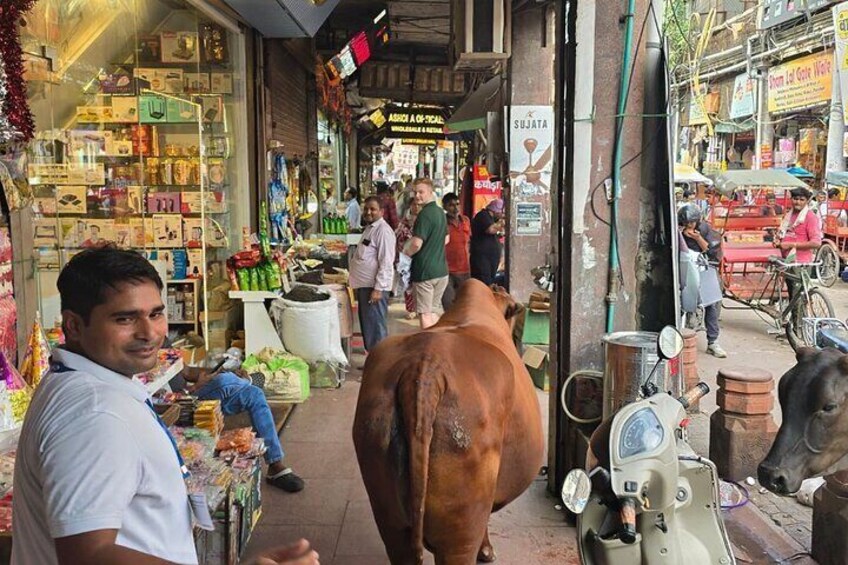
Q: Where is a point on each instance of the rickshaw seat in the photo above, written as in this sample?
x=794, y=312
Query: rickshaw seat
x=834, y=337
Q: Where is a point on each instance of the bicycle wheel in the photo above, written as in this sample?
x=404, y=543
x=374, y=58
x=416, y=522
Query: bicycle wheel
x=798, y=332
x=828, y=269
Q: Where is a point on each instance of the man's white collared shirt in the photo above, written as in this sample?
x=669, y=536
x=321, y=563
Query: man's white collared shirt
x=93, y=456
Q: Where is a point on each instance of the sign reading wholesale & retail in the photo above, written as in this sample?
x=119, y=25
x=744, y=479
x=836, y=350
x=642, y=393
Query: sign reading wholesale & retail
x=415, y=123
x=800, y=83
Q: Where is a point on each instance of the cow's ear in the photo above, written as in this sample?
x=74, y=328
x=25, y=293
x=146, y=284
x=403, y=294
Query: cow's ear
x=513, y=310
x=804, y=353
x=843, y=364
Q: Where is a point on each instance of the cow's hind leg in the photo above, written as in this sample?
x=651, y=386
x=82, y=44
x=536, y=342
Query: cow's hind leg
x=467, y=557
x=398, y=543
x=487, y=552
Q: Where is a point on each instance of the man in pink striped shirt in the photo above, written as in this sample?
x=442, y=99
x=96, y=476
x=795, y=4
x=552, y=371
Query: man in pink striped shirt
x=372, y=272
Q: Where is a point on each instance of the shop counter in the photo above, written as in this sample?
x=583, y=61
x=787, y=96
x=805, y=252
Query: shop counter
x=259, y=330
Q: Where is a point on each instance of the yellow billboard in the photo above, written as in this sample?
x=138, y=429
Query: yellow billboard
x=800, y=83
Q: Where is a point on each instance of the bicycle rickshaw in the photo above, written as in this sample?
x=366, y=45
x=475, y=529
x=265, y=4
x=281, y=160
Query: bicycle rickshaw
x=833, y=253
x=751, y=270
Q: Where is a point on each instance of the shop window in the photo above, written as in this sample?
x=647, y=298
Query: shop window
x=140, y=114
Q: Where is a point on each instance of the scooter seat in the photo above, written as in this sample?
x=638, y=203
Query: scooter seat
x=834, y=337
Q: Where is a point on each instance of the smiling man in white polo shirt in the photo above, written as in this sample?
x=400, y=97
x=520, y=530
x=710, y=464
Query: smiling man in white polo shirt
x=98, y=478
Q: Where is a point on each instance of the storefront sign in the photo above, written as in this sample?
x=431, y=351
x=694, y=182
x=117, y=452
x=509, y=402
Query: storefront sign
x=840, y=26
x=776, y=12
x=531, y=140
x=418, y=123
x=744, y=93
x=528, y=218
x=800, y=83
x=484, y=189
x=697, y=111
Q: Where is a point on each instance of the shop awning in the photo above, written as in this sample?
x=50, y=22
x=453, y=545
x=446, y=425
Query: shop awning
x=471, y=114
x=277, y=19
x=837, y=178
x=800, y=172
x=735, y=127
x=686, y=173
x=730, y=181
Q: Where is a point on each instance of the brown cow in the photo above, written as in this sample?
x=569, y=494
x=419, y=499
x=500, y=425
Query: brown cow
x=813, y=437
x=447, y=431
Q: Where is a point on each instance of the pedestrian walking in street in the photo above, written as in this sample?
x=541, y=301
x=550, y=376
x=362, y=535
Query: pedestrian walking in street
x=457, y=249
x=98, y=477
x=353, y=212
x=372, y=273
x=403, y=234
x=699, y=238
x=486, y=230
x=427, y=248
x=388, y=204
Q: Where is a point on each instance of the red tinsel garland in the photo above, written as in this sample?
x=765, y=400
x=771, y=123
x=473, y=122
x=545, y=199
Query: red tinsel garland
x=16, y=105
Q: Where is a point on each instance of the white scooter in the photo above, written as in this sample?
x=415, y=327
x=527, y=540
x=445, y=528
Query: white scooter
x=648, y=498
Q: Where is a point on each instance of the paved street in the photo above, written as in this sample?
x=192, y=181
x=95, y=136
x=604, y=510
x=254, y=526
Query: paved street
x=744, y=336
x=333, y=511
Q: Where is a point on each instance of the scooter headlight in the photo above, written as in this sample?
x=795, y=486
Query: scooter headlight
x=642, y=432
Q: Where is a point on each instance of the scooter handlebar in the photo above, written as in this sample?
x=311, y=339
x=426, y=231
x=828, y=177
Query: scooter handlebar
x=628, y=520
x=694, y=394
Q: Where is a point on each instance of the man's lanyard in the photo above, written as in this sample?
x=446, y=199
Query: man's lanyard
x=57, y=367
x=183, y=469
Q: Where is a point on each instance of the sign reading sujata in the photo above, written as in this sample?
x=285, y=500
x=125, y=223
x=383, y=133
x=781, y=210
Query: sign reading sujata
x=418, y=123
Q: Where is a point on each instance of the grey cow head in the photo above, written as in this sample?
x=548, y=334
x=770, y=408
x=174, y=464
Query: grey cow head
x=813, y=437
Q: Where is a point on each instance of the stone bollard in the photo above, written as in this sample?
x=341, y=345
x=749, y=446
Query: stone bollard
x=689, y=360
x=830, y=520
x=742, y=430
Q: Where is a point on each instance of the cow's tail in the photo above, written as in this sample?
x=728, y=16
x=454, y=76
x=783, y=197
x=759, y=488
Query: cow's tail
x=419, y=394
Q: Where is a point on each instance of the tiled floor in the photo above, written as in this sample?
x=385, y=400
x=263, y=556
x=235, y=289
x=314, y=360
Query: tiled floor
x=333, y=511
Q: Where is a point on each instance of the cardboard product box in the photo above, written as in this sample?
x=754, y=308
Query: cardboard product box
x=537, y=360
x=537, y=328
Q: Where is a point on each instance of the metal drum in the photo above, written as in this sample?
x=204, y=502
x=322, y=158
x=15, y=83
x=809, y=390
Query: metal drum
x=629, y=359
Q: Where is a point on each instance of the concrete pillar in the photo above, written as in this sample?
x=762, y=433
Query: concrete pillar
x=763, y=133
x=531, y=77
x=836, y=125
x=742, y=430
x=587, y=82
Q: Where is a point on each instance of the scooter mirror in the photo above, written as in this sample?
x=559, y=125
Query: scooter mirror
x=669, y=343
x=576, y=490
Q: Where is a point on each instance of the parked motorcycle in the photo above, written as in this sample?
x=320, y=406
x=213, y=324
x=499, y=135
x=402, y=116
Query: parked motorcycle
x=648, y=498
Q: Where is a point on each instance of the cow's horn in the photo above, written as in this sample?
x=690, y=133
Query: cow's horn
x=804, y=352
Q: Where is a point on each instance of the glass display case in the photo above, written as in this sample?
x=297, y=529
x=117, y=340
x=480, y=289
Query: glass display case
x=141, y=129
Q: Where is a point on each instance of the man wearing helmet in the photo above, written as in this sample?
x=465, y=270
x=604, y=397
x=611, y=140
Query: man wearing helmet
x=700, y=237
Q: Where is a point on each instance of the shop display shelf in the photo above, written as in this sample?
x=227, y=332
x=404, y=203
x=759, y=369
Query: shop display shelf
x=349, y=238
x=9, y=438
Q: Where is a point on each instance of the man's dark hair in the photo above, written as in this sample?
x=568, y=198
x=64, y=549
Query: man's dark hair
x=375, y=199
x=449, y=197
x=87, y=277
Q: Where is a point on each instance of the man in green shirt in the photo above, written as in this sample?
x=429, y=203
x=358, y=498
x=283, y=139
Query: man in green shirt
x=429, y=274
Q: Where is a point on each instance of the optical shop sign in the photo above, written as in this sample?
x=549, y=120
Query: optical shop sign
x=800, y=83
x=415, y=123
